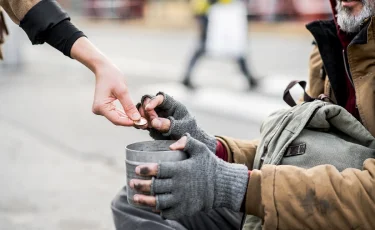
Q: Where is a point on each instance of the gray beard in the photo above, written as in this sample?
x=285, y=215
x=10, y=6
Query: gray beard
x=352, y=24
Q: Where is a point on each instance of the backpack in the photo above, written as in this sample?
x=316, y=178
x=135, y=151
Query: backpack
x=313, y=133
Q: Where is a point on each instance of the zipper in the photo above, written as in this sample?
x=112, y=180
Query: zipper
x=346, y=64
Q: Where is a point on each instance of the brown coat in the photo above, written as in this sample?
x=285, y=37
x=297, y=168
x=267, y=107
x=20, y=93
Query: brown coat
x=3, y=31
x=361, y=64
x=288, y=197
x=16, y=9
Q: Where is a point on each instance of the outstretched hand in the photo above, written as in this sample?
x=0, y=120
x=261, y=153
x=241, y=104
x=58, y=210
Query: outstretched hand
x=111, y=86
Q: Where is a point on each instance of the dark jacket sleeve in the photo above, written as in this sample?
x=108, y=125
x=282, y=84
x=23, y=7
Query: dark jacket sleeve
x=44, y=21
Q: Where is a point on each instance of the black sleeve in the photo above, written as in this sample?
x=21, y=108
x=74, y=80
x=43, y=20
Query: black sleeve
x=48, y=22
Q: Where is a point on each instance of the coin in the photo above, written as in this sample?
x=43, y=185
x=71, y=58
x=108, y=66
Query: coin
x=141, y=122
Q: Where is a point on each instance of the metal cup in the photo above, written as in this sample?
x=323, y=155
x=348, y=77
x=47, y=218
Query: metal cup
x=148, y=152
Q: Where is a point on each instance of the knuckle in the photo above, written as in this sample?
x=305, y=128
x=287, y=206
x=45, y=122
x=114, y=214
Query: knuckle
x=138, y=186
x=121, y=90
x=116, y=122
x=129, y=106
x=96, y=109
x=145, y=97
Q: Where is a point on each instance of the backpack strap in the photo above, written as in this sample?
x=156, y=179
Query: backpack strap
x=324, y=97
x=289, y=99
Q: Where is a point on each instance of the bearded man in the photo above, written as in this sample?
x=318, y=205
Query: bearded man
x=342, y=66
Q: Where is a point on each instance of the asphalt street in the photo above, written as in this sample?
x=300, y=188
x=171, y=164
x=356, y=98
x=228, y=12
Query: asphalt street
x=61, y=165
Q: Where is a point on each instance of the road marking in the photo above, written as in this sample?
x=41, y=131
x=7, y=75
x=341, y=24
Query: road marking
x=242, y=105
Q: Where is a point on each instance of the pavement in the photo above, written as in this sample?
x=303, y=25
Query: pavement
x=62, y=165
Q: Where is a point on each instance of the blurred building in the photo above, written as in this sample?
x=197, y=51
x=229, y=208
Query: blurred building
x=112, y=9
x=275, y=10
x=177, y=10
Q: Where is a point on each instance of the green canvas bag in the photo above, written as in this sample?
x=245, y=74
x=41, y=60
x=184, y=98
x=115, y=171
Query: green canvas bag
x=313, y=133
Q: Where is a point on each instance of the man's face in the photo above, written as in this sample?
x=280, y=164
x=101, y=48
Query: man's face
x=351, y=13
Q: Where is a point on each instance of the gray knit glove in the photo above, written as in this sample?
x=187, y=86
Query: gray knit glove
x=199, y=183
x=181, y=122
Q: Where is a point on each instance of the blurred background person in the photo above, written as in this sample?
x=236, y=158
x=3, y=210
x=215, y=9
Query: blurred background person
x=201, y=10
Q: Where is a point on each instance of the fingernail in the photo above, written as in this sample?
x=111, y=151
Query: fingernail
x=156, y=123
x=136, y=116
x=138, y=170
x=136, y=199
x=147, y=106
x=131, y=184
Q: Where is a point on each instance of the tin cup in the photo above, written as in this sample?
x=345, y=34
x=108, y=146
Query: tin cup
x=148, y=152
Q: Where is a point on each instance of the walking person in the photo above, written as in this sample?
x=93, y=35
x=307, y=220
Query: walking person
x=201, y=9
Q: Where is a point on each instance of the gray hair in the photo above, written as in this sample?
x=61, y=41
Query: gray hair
x=350, y=23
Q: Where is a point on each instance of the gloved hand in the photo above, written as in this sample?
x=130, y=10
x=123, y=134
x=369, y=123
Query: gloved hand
x=199, y=183
x=169, y=119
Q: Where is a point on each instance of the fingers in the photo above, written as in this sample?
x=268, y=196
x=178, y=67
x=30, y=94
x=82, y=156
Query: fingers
x=150, y=115
x=161, y=124
x=155, y=102
x=143, y=114
x=114, y=115
x=180, y=144
x=192, y=146
x=147, y=169
x=154, y=186
x=165, y=201
x=145, y=200
x=122, y=94
x=149, y=105
x=167, y=170
x=143, y=186
x=160, y=186
x=147, y=110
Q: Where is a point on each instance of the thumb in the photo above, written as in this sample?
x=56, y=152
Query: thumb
x=127, y=103
x=161, y=124
x=180, y=144
x=194, y=147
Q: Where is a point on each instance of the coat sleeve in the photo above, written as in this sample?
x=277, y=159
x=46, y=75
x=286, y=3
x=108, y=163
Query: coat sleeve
x=288, y=197
x=240, y=151
x=17, y=9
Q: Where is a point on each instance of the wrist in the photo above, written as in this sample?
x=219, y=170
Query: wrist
x=230, y=185
x=99, y=63
x=86, y=53
x=221, y=151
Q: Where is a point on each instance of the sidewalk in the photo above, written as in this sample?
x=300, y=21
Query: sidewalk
x=44, y=186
